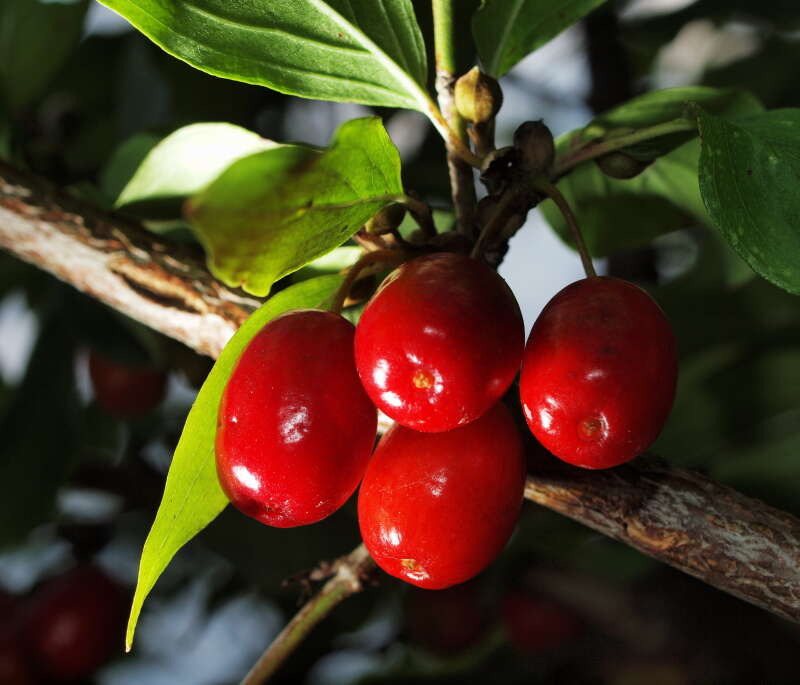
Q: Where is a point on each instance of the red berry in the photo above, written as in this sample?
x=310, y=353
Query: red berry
x=295, y=426
x=599, y=373
x=536, y=625
x=75, y=623
x=126, y=391
x=440, y=342
x=436, y=508
x=15, y=668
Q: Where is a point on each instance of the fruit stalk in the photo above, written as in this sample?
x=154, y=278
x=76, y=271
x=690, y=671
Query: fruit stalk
x=544, y=186
x=347, y=579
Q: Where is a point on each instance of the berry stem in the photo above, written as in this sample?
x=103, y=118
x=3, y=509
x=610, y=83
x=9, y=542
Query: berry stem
x=598, y=149
x=544, y=186
x=365, y=260
x=502, y=213
x=346, y=581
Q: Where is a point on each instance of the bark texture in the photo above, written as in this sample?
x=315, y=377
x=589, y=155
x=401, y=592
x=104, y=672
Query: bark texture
x=735, y=543
x=118, y=262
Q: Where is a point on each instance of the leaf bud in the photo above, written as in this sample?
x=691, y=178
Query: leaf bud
x=617, y=164
x=478, y=96
x=536, y=148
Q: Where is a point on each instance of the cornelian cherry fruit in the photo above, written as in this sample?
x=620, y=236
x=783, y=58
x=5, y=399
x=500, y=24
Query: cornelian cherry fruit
x=436, y=508
x=123, y=390
x=295, y=426
x=599, y=373
x=440, y=342
x=75, y=623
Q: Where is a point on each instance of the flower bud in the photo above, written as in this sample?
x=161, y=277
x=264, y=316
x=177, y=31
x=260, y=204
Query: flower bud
x=478, y=97
x=620, y=165
x=536, y=148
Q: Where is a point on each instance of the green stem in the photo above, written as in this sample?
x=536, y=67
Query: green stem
x=346, y=581
x=459, y=156
x=594, y=150
x=543, y=185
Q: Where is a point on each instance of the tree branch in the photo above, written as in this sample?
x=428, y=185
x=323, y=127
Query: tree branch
x=165, y=286
x=347, y=579
x=733, y=542
x=737, y=544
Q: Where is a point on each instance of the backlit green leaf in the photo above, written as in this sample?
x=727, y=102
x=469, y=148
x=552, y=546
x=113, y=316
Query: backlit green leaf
x=272, y=212
x=367, y=51
x=192, y=495
x=186, y=161
x=507, y=30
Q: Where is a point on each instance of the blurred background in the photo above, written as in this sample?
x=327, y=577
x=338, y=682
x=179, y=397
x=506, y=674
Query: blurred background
x=83, y=464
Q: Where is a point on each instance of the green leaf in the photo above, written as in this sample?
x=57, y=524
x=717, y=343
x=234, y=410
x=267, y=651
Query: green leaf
x=661, y=107
x=507, y=30
x=36, y=37
x=192, y=495
x=749, y=174
x=364, y=51
x=618, y=215
x=272, y=212
x=184, y=163
x=39, y=435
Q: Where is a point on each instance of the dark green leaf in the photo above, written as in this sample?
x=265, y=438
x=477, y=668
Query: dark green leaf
x=39, y=430
x=617, y=215
x=272, y=212
x=124, y=162
x=184, y=163
x=507, y=30
x=749, y=174
x=345, y=50
x=192, y=495
x=660, y=107
x=35, y=39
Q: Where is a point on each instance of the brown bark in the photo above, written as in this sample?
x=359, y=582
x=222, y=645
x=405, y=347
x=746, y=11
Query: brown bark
x=735, y=543
x=116, y=261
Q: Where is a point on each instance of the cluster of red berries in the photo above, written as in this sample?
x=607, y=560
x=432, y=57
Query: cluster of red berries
x=68, y=628
x=435, y=349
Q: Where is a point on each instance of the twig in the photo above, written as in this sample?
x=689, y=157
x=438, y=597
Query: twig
x=592, y=150
x=735, y=543
x=166, y=287
x=347, y=580
x=462, y=183
x=545, y=187
x=421, y=212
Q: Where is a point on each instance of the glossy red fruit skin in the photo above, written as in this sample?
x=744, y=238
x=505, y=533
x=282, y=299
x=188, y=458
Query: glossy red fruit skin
x=436, y=508
x=599, y=373
x=126, y=391
x=536, y=625
x=75, y=623
x=440, y=342
x=296, y=428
